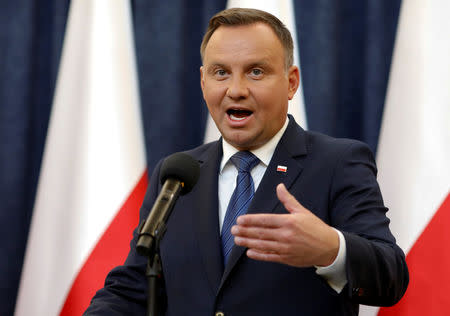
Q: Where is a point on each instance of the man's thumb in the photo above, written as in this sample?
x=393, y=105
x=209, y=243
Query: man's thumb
x=288, y=200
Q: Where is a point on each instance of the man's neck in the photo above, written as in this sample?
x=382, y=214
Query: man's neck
x=264, y=152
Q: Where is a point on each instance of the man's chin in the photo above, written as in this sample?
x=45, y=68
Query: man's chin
x=242, y=143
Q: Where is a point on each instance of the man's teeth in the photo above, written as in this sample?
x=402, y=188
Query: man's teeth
x=235, y=118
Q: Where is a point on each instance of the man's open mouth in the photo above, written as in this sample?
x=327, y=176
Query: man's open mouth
x=238, y=115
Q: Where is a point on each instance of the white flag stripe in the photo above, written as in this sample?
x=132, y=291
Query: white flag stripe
x=414, y=150
x=284, y=10
x=94, y=153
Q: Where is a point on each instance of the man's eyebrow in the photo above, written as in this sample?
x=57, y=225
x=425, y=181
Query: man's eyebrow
x=214, y=66
x=256, y=64
x=259, y=64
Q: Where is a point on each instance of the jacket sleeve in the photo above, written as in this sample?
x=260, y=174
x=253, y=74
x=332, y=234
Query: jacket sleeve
x=125, y=290
x=376, y=269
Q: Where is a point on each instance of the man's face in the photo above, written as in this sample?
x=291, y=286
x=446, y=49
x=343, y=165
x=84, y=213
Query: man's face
x=245, y=83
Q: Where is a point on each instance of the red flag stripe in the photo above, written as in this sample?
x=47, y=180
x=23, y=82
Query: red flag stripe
x=428, y=262
x=110, y=251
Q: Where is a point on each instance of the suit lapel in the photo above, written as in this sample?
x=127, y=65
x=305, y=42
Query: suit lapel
x=291, y=146
x=206, y=219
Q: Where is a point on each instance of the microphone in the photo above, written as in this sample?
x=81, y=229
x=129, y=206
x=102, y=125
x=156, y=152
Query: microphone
x=179, y=174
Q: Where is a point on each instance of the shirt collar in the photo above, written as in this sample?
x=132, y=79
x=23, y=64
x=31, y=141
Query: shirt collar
x=264, y=153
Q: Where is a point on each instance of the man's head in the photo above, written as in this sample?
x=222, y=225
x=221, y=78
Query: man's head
x=244, y=78
x=242, y=16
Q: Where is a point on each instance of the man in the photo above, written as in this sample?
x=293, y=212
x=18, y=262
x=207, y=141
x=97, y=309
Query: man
x=314, y=238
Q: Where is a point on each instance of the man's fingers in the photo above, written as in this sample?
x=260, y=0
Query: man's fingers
x=267, y=246
x=273, y=220
x=264, y=256
x=262, y=220
x=288, y=200
x=256, y=232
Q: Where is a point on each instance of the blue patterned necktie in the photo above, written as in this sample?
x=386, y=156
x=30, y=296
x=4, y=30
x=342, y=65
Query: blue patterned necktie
x=241, y=198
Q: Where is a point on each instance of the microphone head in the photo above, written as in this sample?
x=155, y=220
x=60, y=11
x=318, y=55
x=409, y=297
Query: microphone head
x=182, y=167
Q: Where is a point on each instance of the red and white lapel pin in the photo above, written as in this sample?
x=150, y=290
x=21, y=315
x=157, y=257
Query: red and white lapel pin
x=281, y=168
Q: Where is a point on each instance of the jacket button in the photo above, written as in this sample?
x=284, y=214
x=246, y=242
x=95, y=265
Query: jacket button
x=219, y=314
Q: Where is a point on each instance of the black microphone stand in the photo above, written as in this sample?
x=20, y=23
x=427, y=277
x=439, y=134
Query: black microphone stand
x=155, y=277
x=151, y=232
x=179, y=173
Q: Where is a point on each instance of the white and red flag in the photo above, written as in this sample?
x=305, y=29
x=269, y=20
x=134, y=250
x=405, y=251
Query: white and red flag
x=93, y=175
x=414, y=155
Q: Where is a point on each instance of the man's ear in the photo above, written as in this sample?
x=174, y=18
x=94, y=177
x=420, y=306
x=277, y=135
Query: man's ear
x=202, y=81
x=294, y=81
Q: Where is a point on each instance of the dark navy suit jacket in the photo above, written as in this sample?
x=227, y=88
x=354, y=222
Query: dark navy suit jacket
x=334, y=178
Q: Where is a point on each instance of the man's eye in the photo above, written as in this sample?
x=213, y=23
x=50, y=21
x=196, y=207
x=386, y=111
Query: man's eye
x=256, y=72
x=221, y=72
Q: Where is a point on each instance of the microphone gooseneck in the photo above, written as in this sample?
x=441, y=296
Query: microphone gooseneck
x=179, y=173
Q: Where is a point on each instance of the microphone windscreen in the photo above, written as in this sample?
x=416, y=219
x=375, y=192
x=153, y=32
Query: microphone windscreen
x=182, y=167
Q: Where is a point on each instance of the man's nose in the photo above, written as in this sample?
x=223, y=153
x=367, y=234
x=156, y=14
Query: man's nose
x=238, y=88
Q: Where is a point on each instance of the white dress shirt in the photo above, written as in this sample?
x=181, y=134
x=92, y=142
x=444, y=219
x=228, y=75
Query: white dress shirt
x=334, y=274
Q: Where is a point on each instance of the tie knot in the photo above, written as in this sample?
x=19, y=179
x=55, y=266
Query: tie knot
x=244, y=161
